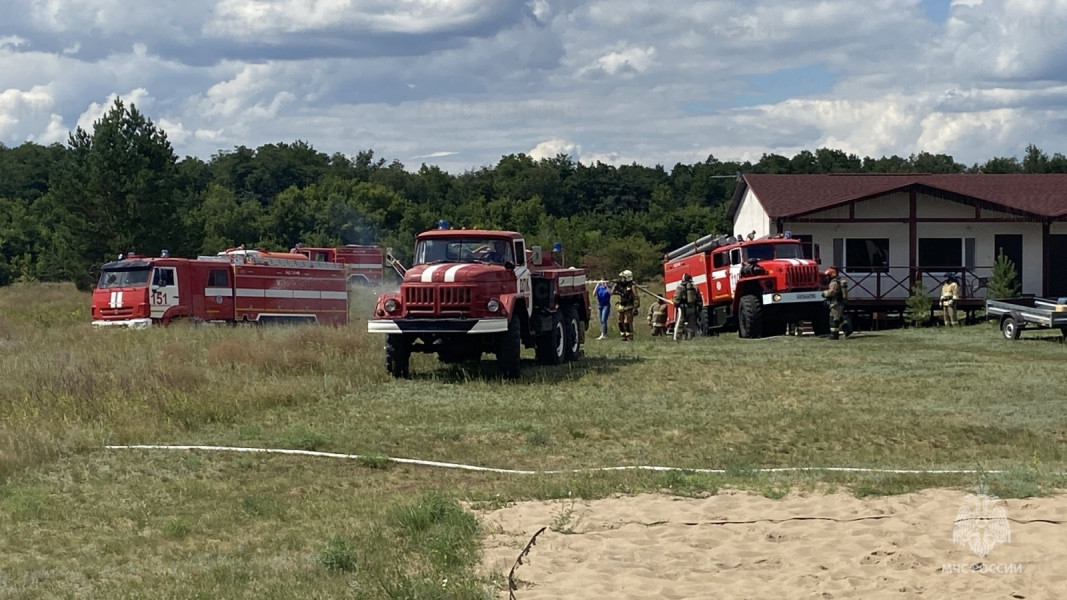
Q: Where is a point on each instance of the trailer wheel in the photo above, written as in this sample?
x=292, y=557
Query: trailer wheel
x=397, y=355
x=509, y=349
x=1010, y=328
x=572, y=334
x=750, y=319
x=549, y=346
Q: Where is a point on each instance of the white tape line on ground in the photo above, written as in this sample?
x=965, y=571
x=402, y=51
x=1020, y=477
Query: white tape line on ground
x=445, y=465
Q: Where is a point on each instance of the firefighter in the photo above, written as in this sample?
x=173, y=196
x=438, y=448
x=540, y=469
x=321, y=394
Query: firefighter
x=296, y=249
x=836, y=295
x=687, y=304
x=627, y=305
x=657, y=317
x=950, y=295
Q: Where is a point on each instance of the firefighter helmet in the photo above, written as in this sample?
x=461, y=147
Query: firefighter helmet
x=831, y=272
x=627, y=275
x=687, y=277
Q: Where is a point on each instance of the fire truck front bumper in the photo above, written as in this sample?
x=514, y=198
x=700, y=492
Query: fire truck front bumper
x=792, y=298
x=468, y=326
x=131, y=323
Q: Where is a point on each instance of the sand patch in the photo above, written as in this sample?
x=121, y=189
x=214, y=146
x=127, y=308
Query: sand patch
x=741, y=545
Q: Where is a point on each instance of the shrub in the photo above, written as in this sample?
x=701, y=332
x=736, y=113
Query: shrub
x=917, y=310
x=1004, y=283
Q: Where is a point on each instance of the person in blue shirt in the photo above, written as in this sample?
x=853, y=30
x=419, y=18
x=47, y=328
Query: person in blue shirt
x=603, y=300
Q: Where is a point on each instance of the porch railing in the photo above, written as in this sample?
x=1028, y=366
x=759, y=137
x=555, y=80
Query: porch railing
x=894, y=283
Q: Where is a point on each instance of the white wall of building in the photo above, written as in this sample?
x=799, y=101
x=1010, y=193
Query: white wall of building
x=752, y=217
x=892, y=284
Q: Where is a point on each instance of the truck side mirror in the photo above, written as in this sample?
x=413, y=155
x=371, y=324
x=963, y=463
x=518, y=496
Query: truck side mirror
x=535, y=255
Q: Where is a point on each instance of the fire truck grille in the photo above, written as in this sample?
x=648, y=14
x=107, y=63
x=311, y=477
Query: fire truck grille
x=420, y=299
x=112, y=313
x=802, y=276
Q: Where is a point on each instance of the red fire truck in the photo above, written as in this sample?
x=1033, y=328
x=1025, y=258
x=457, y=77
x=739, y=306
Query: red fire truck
x=237, y=285
x=363, y=264
x=755, y=287
x=471, y=292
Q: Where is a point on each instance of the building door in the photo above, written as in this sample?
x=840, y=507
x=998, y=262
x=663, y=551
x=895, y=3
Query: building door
x=1057, y=269
x=1012, y=246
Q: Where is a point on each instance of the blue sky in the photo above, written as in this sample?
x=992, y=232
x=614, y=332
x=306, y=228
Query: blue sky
x=460, y=83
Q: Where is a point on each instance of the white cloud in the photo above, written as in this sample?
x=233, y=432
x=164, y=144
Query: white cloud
x=18, y=108
x=611, y=80
x=630, y=60
x=551, y=148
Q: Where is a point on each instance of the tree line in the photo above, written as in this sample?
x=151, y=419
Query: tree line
x=65, y=210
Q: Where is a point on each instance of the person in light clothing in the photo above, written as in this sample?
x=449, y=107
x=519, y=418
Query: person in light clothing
x=950, y=296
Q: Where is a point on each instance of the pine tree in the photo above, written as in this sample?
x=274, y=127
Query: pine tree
x=1004, y=283
x=917, y=308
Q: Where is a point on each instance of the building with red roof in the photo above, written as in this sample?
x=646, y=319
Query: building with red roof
x=884, y=232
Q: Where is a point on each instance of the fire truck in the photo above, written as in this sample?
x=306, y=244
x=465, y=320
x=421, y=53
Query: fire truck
x=755, y=287
x=363, y=264
x=472, y=292
x=234, y=286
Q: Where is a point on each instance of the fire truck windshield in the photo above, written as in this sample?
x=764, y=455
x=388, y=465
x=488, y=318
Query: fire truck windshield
x=124, y=278
x=772, y=251
x=494, y=251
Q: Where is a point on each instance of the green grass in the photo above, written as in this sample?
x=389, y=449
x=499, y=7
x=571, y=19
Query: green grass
x=79, y=520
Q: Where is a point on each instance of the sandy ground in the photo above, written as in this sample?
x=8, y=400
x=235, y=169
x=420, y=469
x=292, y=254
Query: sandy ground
x=740, y=545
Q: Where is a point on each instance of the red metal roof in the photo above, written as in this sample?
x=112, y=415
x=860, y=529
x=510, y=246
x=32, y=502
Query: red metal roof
x=1043, y=195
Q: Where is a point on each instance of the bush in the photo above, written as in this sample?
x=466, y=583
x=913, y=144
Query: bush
x=917, y=310
x=1004, y=283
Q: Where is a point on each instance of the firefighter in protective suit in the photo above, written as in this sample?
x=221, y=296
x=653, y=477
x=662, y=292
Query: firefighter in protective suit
x=950, y=295
x=657, y=317
x=687, y=305
x=836, y=295
x=627, y=305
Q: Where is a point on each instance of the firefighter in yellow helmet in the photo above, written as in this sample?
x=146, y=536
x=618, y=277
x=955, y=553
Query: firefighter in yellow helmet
x=627, y=305
x=835, y=295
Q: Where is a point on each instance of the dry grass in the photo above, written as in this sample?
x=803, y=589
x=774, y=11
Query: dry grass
x=173, y=525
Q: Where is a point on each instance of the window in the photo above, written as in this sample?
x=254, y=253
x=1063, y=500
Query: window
x=320, y=256
x=163, y=277
x=945, y=253
x=807, y=243
x=720, y=260
x=862, y=255
x=520, y=253
x=126, y=278
x=735, y=256
x=218, y=278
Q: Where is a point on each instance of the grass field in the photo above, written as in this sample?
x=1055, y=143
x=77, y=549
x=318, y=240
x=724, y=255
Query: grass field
x=82, y=521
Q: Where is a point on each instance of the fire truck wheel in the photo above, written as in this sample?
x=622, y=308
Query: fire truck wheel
x=508, y=349
x=550, y=346
x=750, y=319
x=571, y=333
x=820, y=323
x=397, y=355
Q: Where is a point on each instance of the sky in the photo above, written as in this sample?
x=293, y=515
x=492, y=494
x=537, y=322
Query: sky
x=461, y=83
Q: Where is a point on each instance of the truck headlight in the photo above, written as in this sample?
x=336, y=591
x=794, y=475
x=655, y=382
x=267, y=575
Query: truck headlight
x=492, y=305
x=391, y=305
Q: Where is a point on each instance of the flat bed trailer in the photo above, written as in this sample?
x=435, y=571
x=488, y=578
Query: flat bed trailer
x=1016, y=314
